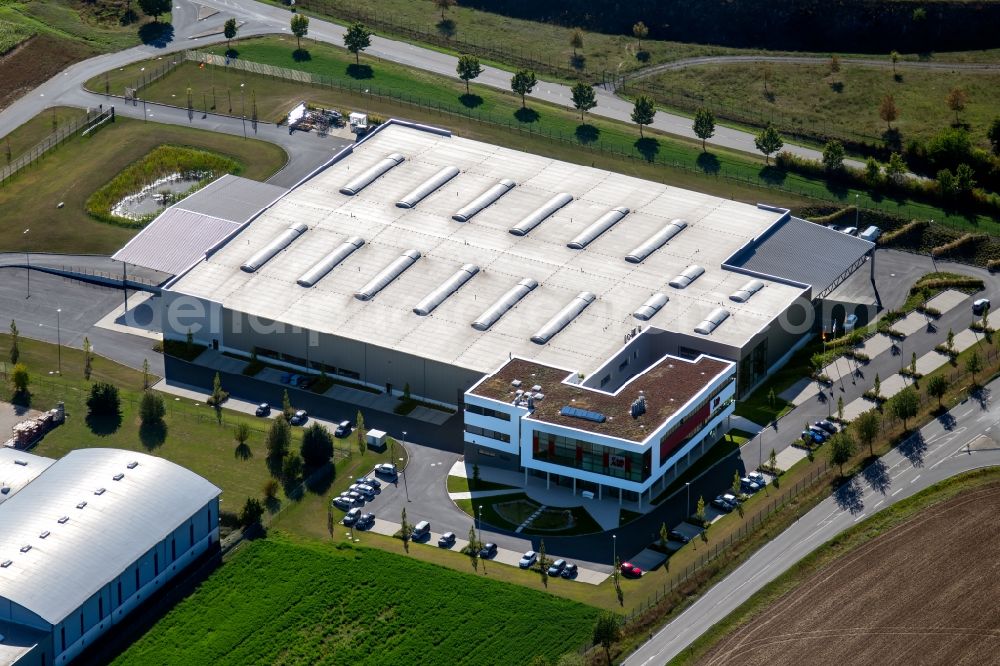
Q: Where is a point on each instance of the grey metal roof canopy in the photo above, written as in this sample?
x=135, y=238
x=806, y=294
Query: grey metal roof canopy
x=712, y=321
x=446, y=289
x=561, y=319
x=653, y=304
x=371, y=174
x=687, y=276
x=330, y=261
x=656, y=241
x=422, y=191
x=387, y=275
x=603, y=223
x=484, y=200
x=540, y=214
x=274, y=247
x=508, y=300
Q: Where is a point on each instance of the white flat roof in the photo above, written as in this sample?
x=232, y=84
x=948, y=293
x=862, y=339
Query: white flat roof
x=78, y=557
x=715, y=229
x=18, y=469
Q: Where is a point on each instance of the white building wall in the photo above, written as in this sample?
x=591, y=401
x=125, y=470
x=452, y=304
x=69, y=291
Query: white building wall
x=511, y=428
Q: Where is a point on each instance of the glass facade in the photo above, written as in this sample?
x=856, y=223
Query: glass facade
x=591, y=457
x=486, y=432
x=486, y=411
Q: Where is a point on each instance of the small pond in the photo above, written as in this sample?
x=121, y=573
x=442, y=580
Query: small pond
x=155, y=197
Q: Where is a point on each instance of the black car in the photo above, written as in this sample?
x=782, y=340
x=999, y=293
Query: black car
x=675, y=535
x=827, y=425
x=366, y=521
x=371, y=482
x=352, y=517
x=447, y=540
x=488, y=551
x=557, y=567
x=263, y=409
x=299, y=418
x=569, y=572
x=343, y=429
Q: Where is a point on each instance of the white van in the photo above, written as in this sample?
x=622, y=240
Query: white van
x=871, y=234
x=421, y=531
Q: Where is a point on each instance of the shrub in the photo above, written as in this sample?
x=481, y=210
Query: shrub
x=20, y=378
x=151, y=409
x=104, y=400
x=906, y=230
x=252, y=512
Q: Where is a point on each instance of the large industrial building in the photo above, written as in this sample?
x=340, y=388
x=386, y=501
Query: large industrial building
x=419, y=260
x=87, y=538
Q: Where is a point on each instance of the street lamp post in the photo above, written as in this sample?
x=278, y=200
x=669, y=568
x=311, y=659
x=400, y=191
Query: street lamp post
x=243, y=110
x=857, y=209
x=687, y=484
x=405, y=484
x=480, y=525
x=59, y=340
x=614, y=549
x=27, y=261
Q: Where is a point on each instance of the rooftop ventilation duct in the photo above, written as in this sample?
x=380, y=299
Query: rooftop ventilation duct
x=712, y=321
x=504, y=303
x=330, y=261
x=369, y=175
x=447, y=288
x=274, y=247
x=743, y=294
x=652, y=305
x=656, y=241
x=428, y=186
x=562, y=318
x=484, y=200
x=690, y=274
x=387, y=275
x=540, y=214
x=603, y=223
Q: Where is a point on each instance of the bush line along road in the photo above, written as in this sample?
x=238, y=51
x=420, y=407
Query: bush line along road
x=265, y=19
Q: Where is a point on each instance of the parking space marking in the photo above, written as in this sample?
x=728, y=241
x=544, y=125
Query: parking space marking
x=896, y=492
x=860, y=517
x=914, y=480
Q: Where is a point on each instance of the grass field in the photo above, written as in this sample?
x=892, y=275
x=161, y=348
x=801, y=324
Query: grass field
x=31, y=133
x=809, y=99
x=77, y=168
x=867, y=596
x=12, y=34
x=285, y=601
x=496, y=117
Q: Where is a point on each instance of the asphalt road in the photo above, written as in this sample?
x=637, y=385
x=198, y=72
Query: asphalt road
x=937, y=452
x=259, y=18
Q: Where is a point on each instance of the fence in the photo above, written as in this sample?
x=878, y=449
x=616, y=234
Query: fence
x=145, y=77
x=93, y=118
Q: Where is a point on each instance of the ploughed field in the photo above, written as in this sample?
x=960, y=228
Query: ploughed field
x=924, y=592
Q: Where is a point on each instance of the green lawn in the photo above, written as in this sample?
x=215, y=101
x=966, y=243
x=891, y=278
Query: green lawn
x=76, y=169
x=12, y=34
x=521, y=507
x=808, y=99
x=494, y=116
x=286, y=601
x=31, y=133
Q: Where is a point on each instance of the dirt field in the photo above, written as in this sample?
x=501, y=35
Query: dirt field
x=34, y=61
x=922, y=593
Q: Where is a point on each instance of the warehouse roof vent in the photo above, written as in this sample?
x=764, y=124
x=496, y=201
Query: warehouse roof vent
x=540, y=214
x=330, y=261
x=371, y=174
x=446, y=289
x=274, y=247
x=427, y=187
x=603, y=223
x=652, y=305
x=712, y=321
x=562, y=318
x=656, y=241
x=387, y=275
x=503, y=304
x=484, y=200
x=743, y=294
x=689, y=275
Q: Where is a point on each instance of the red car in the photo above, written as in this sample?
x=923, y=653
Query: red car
x=630, y=570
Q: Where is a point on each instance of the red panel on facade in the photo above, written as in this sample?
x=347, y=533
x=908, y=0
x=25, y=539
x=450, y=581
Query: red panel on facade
x=668, y=445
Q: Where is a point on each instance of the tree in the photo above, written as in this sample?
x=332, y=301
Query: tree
x=913, y=364
x=957, y=99
x=873, y=172
x=974, y=365
x=772, y=460
x=155, y=8
x=766, y=73
x=15, y=353
x=834, y=63
x=606, y=631
x=473, y=547
x=664, y=536
x=218, y=395
x=895, y=170
x=286, y=405
x=643, y=112
x=946, y=182
x=88, y=361
x=300, y=28
x=576, y=40
x=877, y=386
x=292, y=468
x=950, y=340
x=904, y=404
x=993, y=134
x=583, y=98
x=151, y=408
x=894, y=57
x=468, y=69
x=476, y=480
x=964, y=179
x=279, y=439
x=937, y=386
x=887, y=110
x=444, y=5
x=841, y=449
x=103, y=400
x=867, y=427
x=840, y=408
x=704, y=126
x=317, y=446
x=145, y=367
x=769, y=141
x=542, y=564
x=522, y=83
x=229, y=31
x=736, y=486
x=833, y=156
x=361, y=433
x=357, y=38
x=699, y=511
x=241, y=434
x=20, y=378
x=252, y=512
x=404, y=530
x=640, y=31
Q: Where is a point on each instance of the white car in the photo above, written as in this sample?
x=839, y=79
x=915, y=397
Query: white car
x=980, y=306
x=528, y=559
